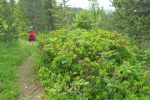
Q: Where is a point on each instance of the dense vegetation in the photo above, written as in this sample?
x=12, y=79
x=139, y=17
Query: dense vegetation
x=8, y=27
x=84, y=53
x=95, y=64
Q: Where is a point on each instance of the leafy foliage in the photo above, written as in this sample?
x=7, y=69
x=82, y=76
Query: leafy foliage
x=94, y=64
x=83, y=20
x=8, y=24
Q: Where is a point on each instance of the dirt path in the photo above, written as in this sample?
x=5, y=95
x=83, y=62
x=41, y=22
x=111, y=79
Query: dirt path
x=29, y=87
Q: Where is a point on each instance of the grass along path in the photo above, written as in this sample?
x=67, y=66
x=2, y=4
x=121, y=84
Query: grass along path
x=29, y=87
x=11, y=56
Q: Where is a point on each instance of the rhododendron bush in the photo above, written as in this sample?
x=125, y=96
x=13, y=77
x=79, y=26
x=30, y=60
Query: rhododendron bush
x=87, y=65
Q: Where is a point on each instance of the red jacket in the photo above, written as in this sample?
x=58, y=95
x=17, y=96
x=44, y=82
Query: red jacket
x=31, y=33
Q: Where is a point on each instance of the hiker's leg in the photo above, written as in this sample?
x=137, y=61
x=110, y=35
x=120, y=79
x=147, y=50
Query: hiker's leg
x=32, y=43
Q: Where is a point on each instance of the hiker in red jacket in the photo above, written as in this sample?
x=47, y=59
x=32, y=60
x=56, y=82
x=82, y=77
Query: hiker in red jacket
x=32, y=35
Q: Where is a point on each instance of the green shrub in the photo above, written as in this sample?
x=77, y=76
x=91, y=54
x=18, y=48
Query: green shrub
x=8, y=24
x=82, y=20
x=89, y=65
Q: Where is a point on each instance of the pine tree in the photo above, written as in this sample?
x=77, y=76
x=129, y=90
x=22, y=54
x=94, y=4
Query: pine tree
x=66, y=13
x=49, y=9
x=134, y=17
x=30, y=11
x=96, y=13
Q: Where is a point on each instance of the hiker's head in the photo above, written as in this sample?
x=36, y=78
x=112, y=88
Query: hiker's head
x=31, y=28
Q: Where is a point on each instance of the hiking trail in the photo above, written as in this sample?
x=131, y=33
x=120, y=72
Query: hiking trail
x=30, y=89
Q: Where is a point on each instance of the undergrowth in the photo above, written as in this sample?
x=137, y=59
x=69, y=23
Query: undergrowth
x=11, y=56
x=91, y=65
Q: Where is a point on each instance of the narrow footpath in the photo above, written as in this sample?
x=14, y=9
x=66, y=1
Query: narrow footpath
x=30, y=88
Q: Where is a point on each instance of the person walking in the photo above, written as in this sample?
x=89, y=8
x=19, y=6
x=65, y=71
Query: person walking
x=32, y=35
